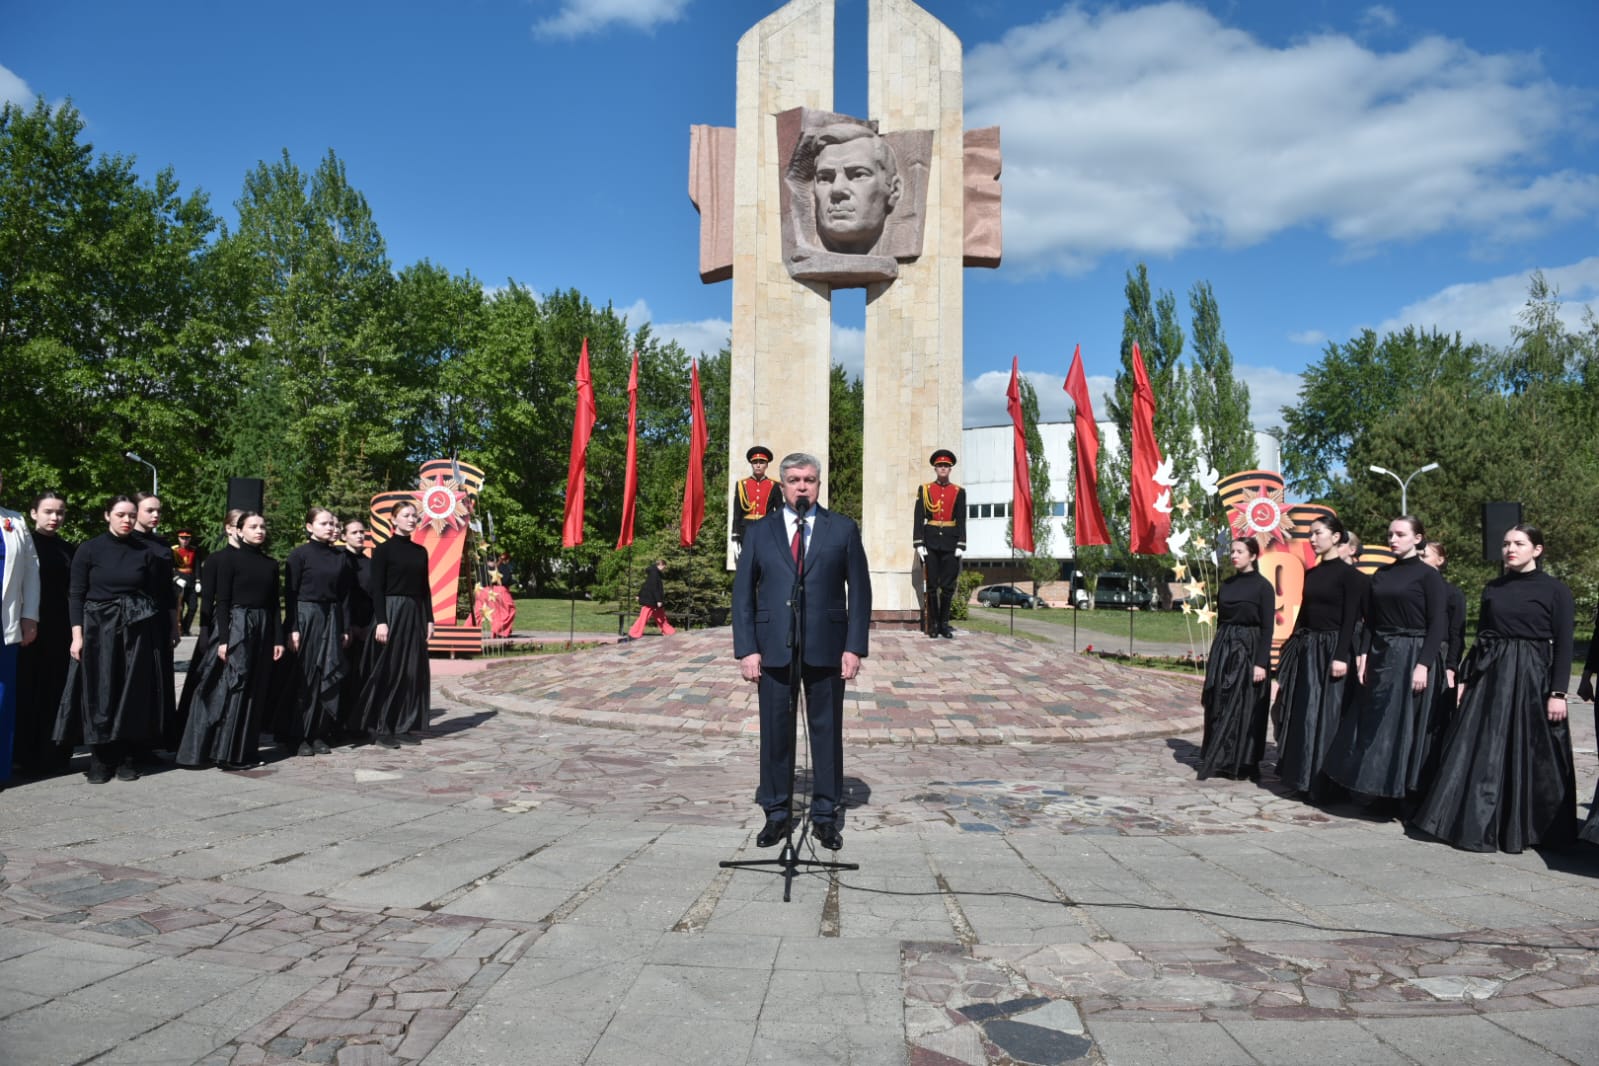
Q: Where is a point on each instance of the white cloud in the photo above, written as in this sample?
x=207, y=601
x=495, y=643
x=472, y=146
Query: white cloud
x=1379, y=17
x=1314, y=338
x=13, y=90
x=709, y=336
x=985, y=397
x=578, y=18
x=849, y=349
x=1156, y=129
x=1270, y=390
x=1487, y=311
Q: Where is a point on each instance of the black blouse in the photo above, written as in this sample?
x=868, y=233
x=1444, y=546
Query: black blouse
x=247, y=577
x=55, y=582
x=110, y=567
x=315, y=573
x=1249, y=600
x=1533, y=606
x=158, y=547
x=360, y=590
x=1408, y=594
x=399, y=568
x=1455, y=632
x=1332, y=602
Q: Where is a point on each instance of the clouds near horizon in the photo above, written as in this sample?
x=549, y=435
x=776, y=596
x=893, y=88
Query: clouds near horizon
x=579, y=18
x=1157, y=129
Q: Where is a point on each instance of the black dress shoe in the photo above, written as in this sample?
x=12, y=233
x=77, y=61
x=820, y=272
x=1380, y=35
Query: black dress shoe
x=386, y=740
x=99, y=775
x=125, y=772
x=774, y=830
x=408, y=738
x=947, y=633
x=828, y=836
x=321, y=747
x=305, y=748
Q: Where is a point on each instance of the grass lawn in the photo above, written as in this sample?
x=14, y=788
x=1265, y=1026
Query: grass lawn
x=556, y=616
x=995, y=622
x=1165, y=627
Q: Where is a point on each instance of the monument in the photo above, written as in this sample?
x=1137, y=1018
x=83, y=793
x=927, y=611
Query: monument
x=797, y=200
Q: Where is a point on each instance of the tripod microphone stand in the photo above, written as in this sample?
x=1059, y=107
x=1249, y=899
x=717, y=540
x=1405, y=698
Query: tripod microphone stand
x=788, y=857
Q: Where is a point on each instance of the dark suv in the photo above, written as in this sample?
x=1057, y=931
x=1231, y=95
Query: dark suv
x=1115, y=589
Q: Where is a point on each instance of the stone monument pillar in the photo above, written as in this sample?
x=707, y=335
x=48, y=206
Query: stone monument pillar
x=798, y=200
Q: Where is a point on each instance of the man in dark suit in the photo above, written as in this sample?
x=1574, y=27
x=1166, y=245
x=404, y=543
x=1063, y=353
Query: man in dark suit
x=825, y=549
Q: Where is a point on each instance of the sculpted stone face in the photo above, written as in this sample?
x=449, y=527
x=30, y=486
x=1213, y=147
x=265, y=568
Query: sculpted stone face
x=856, y=188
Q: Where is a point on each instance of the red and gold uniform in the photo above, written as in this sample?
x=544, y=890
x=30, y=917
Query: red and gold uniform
x=939, y=535
x=185, y=577
x=756, y=496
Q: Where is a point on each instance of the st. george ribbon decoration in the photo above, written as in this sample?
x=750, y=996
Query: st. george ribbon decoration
x=447, y=492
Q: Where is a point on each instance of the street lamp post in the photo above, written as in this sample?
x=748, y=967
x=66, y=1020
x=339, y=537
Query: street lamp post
x=1404, y=485
x=155, y=480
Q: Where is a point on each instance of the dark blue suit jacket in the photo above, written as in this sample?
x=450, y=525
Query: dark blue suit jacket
x=838, y=592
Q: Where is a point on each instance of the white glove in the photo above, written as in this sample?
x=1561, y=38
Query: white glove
x=959, y=552
x=738, y=549
x=921, y=553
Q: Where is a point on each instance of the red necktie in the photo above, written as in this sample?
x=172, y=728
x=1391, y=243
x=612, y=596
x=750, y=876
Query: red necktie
x=799, y=542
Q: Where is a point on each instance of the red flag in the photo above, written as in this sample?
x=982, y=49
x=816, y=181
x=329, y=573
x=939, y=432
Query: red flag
x=582, y=429
x=1089, y=528
x=630, y=480
x=1150, y=523
x=694, y=487
x=1021, y=521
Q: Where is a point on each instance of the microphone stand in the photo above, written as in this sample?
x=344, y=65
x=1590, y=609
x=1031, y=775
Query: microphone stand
x=788, y=857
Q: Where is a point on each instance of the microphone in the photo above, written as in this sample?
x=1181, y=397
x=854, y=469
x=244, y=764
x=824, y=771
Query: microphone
x=801, y=505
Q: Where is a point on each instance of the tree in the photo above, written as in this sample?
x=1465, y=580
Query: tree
x=846, y=438
x=1220, y=401
x=1358, y=383
x=1041, y=565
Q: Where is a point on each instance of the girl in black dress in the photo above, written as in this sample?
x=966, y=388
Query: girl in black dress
x=114, y=695
x=1317, y=659
x=1505, y=779
x=146, y=528
x=43, y=664
x=394, y=699
x=1236, y=691
x=359, y=621
x=205, y=671
x=225, y=722
x=1377, y=750
x=317, y=583
x=1590, y=667
x=1444, y=671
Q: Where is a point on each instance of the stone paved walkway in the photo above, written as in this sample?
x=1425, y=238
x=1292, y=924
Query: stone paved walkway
x=524, y=888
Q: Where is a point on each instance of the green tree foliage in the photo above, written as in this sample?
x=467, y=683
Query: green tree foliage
x=846, y=437
x=1220, y=401
x=1041, y=565
x=99, y=280
x=1361, y=383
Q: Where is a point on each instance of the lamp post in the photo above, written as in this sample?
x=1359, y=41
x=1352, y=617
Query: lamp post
x=155, y=480
x=1404, y=485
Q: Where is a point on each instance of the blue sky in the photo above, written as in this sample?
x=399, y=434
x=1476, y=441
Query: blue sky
x=1327, y=166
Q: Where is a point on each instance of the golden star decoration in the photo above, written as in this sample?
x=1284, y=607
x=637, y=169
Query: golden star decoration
x=1180, y=572
x=1195, y=590
x=1188, y=608
x=1207, y=617
x=1186, y=506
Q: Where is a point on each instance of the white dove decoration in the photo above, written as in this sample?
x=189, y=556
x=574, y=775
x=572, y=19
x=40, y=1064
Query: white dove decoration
x=1163, y=475
x=1176, y=540
x=1207, y=479
x=1163, y=504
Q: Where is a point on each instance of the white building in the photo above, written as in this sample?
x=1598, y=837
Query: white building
x=984, y=468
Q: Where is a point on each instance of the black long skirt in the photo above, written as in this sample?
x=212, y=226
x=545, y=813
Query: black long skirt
x=317, y=673
x=394, y=698
x=1377, y=750
x=1236, y=708
x=1505, y=777
x=205, y=648
x=357, y=665
x=42, y=669
x=230, y=697
x=1309, y=706
x=114, y=690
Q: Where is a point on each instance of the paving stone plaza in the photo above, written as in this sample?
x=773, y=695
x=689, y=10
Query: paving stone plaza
x=1041, y=881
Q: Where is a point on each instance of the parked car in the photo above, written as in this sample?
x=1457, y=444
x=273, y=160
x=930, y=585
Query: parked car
x=1008, y=596
x=1115, y=589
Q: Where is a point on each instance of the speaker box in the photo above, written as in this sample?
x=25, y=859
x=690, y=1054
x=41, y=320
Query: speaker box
x=247, y=494
x=1496, y=518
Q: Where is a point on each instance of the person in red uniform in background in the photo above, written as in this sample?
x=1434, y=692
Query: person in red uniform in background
x=940, y=539
x=754, y=497
x=186, y=560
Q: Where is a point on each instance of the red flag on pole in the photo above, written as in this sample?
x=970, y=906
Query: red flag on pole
x=1089, y=528
x=582, y=428
x=1151, y=501
x=630, y=479
x=1021, y=522
x=694, y=487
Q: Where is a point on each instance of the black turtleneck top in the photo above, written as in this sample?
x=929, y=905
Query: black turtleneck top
x=1408, y=594
x=1331, y=603
x=315, y=573
x=110, y=567
x=247, y=577
x=1533, y=606
x=399, y=568
x=1249, y=600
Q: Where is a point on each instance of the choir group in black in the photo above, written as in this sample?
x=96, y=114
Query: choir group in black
x=343, y=660
x=1378, y=703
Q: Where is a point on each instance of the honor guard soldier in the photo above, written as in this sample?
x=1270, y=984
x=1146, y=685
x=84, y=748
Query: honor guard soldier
x=186, y=560
x=940, y=539
x=754, y=497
